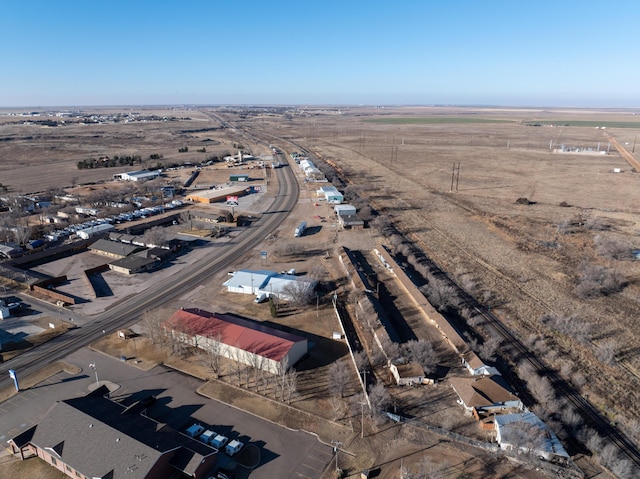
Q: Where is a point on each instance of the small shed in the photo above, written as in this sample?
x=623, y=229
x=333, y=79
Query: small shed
x=407, y=374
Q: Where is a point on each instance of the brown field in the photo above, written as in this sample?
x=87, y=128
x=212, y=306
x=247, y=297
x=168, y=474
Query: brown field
x=523, y=260
x=527, y=257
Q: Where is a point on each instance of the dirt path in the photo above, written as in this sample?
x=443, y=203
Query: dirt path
x=631, y=159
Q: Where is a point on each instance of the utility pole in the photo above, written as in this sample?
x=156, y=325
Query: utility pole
x=453, y=174
x=364, y=380
x=362, y=403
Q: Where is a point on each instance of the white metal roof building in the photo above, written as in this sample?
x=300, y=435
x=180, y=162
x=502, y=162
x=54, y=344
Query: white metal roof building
x=346, y=210
x=95, y=230
x=137, y=175
x=528, y=433
x=264, y=281
x=323, y=190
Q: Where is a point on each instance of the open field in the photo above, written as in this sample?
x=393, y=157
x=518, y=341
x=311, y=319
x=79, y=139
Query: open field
x=522, y=260
x=36, y=157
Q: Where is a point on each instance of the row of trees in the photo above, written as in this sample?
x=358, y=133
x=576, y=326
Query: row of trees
x=107, y=162
x=223, y=361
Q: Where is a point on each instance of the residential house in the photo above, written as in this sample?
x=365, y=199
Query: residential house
x=485, y=394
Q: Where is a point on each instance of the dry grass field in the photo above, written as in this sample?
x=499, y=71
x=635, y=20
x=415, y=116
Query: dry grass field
x=523, y=260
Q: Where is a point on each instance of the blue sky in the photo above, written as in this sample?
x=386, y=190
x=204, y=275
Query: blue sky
x=112, y=52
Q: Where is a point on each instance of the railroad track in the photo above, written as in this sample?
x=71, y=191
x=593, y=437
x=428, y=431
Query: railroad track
x=590, y=414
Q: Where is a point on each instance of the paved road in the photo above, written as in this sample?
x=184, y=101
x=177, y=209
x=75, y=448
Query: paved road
x=285, y=453
x=128, y=311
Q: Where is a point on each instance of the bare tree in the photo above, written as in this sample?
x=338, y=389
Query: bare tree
x=185, y=218
x=288, y=248
x=300, y=293
x=382, y=225
x=423, y=353
x=489, y=348
x=317, y=272
x=542, y=389
x=155, y=236
x=440, y=294
x=606, y=351
x=361, y=360
x=425, y=469
x=214, y=348
x=613, y=249
x=283, y=367
x=237, y=365
x=338, y=406
x=379, y=399
x=595, y=281
x=573, y=326
x=151, y=323
x=291, y=384
x=338, y=378
x=391, y=349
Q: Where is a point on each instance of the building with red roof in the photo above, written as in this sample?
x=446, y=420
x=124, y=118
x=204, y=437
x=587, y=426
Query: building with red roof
x=237, y=338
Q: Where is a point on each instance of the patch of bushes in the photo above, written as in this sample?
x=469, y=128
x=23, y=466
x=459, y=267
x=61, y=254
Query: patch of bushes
x=596, y=281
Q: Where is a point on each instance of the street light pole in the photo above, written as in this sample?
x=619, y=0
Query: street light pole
x=135, y=349
x=336, y=446
x=93, y=366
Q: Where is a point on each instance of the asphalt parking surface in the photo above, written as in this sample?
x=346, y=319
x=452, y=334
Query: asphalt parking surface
x=283, y=453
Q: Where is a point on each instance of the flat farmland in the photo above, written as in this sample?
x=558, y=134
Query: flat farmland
x=35, y=156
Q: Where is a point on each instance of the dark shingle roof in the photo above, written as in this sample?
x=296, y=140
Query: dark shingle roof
x=114, y=247
x=99, y=438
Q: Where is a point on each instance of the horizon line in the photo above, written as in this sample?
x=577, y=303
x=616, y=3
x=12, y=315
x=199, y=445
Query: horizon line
x=318, y=105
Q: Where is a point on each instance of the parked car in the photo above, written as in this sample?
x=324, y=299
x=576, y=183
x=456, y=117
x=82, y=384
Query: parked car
x=219, y=441
x=194, y=430
x=207, y=436
x=233, y=447
x=261, y=298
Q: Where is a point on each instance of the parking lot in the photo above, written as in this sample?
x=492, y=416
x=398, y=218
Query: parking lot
x=283, y=453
